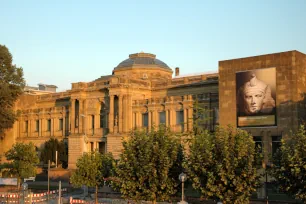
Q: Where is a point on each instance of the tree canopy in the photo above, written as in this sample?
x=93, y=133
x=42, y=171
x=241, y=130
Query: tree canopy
x=92, y=169
x=148, y=169
x=50, y=147
x=289, y=165
x=11, y=86
x=222, y=165
x=23, y=160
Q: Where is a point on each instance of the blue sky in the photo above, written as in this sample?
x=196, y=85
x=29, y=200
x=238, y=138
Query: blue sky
x=60, y=42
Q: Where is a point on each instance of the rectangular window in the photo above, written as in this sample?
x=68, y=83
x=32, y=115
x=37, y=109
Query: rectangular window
x=145, y=121
x=276, y=143
x=92, y=122
x=179, y=117
x=61, y=123
x=49, y=125
x=26, y=126
x=258, y=143
x=91, y=146
x=37, y=126
x=162, y=117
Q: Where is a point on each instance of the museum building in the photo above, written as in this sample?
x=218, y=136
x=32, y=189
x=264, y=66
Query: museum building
x=262, y=94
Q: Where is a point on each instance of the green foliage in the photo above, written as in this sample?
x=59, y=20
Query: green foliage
x=23, y=160
x=289, y=165
x=221, y=165
x=201, y=118
x=48, y=152
x=11, y=86
x=92, y=169
x=148, y=169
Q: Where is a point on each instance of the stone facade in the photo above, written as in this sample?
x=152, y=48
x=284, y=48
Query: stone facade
x=290, y=92
x=140, y=93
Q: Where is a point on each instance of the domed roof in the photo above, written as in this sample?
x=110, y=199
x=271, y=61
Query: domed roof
x=142, y=59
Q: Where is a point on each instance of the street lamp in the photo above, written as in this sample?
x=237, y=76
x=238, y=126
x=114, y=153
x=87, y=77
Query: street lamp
x=24, y=188
x=182, y=178
x=267, y=167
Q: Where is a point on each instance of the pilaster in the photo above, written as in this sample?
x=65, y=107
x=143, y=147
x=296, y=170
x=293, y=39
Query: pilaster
x=111, y=114
x=120, y=117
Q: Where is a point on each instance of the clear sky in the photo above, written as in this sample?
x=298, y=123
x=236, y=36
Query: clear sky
x=60, y=42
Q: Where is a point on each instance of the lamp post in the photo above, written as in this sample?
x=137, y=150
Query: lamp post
x=24, y=188
x=182, y=178
x=266, y=166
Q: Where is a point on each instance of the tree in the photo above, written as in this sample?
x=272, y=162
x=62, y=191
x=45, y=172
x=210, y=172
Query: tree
x=146, y=163
x=23, y=160
x=11, y=86
x=48, y=152
x=221, y=165
x=289, y=165
x=92, y=170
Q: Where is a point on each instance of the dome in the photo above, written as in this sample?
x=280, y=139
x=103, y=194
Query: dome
x=142, y=58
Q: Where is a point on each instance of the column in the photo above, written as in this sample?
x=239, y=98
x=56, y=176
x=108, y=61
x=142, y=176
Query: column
x=81, y=118
x=190, y=119
x=41, y=128
x=120, y=116
x=156, y=119
x=64, y=122
x=72, y=116
x=125, y=116
x=167, y=117
x=30, y=127
x=185, y=119
x=111, y=114
x=129, y=111
x=149, y=120
x=138, y=119
x=53, y=126
x=173, y=119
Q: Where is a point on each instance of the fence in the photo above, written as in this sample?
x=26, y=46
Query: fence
x=27, y=196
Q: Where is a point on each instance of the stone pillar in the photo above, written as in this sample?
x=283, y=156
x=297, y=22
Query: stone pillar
x=149, y=120
x=167, y=117
x=53, y=126
x=111, y=114
x=156, y=119
x=138, y=119
x=185, y=119
x=172, y=119
x=29, y=127
x=72, y=116
x=120, y=115
x=125, y=110
x=40, y=127
x=81, y=118
x=129, y=112
x=190, y=119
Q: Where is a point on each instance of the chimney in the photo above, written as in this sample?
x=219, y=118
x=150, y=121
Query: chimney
x=177, y=71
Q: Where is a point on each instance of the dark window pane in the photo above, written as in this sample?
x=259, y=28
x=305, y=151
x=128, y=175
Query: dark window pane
x=162, y=117
x=145, y=122
x=179, y=117
x=37, y=126
x=276, y=143
x=49, y=125
x=258, y=143
x=61, y=124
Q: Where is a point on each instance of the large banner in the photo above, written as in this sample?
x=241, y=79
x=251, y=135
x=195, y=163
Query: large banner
x=256, y=95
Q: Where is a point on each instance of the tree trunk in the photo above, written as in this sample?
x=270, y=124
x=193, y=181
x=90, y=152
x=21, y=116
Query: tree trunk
x=96, y=199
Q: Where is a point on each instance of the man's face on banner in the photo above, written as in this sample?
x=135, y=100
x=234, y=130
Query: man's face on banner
x=253, y=101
